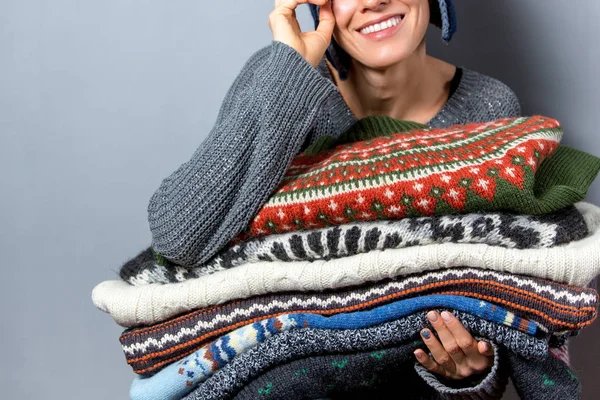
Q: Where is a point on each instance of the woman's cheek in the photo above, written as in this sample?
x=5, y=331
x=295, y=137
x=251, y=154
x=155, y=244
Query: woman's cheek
x=413, y=3
x=343, y=11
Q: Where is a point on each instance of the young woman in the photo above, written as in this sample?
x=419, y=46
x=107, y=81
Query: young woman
x=288, y=94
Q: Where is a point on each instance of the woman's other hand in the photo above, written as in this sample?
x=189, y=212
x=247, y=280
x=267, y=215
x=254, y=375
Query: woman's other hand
x=458, y=355
x=286, y=29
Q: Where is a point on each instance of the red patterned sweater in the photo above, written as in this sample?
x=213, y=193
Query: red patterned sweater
x=397, y=173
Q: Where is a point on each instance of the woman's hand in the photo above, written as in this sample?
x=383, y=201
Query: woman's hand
x=459, y=355
x=311, y=45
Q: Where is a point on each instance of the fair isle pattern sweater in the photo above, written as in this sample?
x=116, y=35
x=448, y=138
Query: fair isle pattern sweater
x=493, y=228
x=392, y=174
x=278, y=105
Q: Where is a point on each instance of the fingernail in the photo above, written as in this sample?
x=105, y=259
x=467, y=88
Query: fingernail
x=486, y=346
x=432, y=316
x=418, y=354
x=425, y=333
x=446, y=316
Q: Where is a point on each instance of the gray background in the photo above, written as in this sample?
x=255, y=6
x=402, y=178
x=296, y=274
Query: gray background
x=100, y=100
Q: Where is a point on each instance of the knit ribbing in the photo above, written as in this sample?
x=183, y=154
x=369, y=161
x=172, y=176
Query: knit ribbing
x=495, y=229
x=277, y=104
x=555, y=307
x=293, y=345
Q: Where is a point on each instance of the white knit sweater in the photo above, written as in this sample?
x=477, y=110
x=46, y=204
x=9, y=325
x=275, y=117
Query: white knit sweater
x=576, y=263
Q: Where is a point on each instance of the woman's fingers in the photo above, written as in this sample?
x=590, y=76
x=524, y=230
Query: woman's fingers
x=485, y=349
x=461, y=335
x=475, y=361
x=428, y=363
x=456, y=354
x=282, y=20
x=286, y=7
x=326, y=21
x=286, y=29
x=446, y=337
x=440, y=355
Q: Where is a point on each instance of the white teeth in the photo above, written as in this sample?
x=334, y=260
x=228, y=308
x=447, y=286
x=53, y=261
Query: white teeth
x=382, y=25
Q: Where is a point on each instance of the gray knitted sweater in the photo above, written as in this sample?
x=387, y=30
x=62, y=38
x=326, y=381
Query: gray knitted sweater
x=278, y=105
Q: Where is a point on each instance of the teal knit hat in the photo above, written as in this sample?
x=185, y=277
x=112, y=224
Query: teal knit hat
x=444, y=18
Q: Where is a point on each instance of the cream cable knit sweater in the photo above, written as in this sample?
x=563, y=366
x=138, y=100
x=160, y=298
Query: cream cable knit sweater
x=576, y=263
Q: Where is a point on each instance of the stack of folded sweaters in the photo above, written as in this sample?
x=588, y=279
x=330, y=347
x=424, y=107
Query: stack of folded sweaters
x=325, y=293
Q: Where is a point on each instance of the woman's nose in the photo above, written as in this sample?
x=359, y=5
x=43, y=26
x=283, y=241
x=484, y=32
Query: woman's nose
x=374, y=5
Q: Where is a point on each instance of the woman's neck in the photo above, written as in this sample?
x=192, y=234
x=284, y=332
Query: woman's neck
x=415, y=89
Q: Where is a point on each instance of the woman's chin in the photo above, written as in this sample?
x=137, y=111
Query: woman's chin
x=384, y=62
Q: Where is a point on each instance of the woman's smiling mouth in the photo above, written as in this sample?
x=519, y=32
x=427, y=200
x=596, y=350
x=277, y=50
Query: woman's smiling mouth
x=382, y=28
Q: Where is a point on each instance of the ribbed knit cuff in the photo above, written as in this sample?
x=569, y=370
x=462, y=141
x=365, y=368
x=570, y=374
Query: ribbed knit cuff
x=491, y=386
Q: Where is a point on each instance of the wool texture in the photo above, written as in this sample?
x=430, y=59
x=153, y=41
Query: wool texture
x=546, y=379
x=373, y=374
x=293, y=345
x=364, y=375
x=178, y=379
x=495, y=229
x=278, y=105
x=554, y=307
x=470, y=168
x=562, y=353
x=576, y=263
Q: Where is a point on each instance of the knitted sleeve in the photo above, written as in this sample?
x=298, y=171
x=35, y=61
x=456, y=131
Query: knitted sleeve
x=487, y=387
x=265, y=118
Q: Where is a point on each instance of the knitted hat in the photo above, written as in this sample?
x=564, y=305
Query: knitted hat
x=444, y=18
